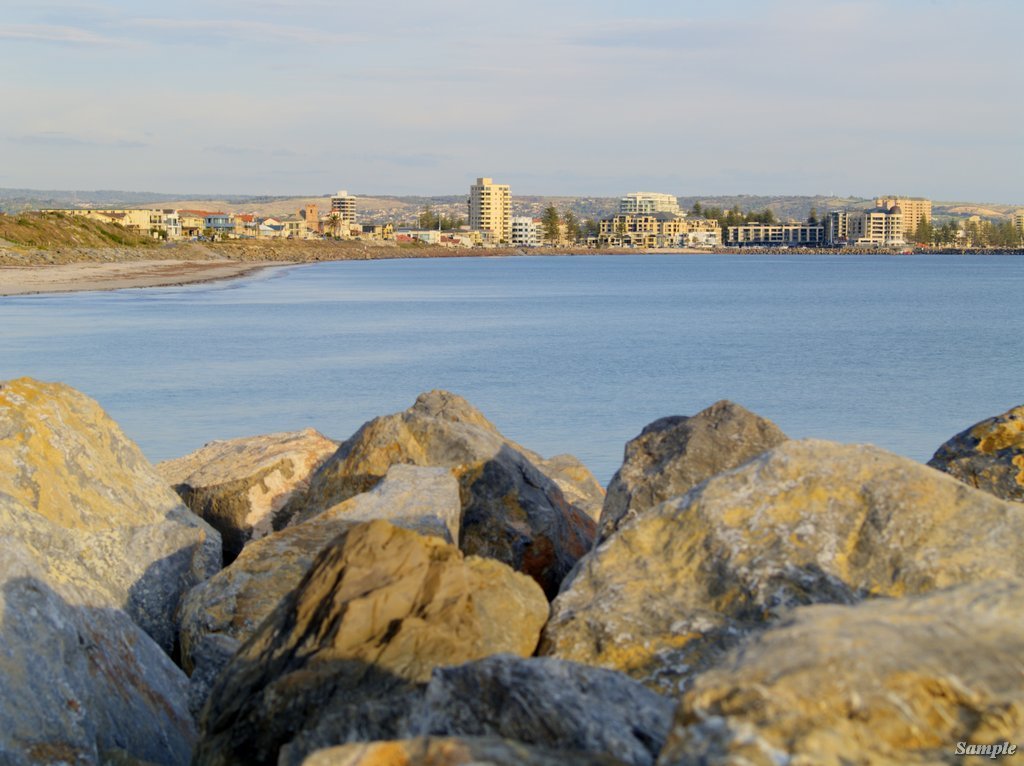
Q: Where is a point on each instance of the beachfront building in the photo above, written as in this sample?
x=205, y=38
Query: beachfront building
x=882, y=227
x=702, y=232
x=526, y=231
x=151, y=222
x=343, y=205
x=777, y=235
x=643, y=203
x=490, y=210
x=912, y=208
x=837, y=227
x=658, y=230
x=310, y=213
x=1018, y=222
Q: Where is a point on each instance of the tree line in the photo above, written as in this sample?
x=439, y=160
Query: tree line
x=429, y=220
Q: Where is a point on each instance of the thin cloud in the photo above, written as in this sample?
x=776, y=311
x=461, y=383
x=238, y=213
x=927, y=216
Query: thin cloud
x=60, y=35
x=235, y=29
x=652, y=34
x=68, y=140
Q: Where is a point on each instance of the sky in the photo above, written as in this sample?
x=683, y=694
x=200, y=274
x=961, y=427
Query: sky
x=555, y=97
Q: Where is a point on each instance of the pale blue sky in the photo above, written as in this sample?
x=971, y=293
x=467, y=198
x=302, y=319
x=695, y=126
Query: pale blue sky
x=602, y=97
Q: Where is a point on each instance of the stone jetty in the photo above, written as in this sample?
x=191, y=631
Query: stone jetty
x=429, y=592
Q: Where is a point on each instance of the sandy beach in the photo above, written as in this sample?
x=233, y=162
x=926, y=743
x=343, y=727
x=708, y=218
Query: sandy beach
x=83, y=276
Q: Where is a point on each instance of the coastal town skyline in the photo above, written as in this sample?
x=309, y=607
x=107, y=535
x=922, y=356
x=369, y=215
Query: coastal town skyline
x=838, y=98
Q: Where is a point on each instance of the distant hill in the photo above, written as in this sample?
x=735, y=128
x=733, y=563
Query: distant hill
x=406, y=209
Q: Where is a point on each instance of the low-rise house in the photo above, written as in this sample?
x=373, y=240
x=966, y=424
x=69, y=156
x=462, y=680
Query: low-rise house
x=246, y=226
x=375, y=230
x=427, y=236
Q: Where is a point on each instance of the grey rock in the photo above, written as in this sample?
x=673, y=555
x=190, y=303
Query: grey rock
x=988, y=456
x=550, y=703
x=92, y=511
x=81, y=684
x=889, y=681
x=240, y=486
x=452, y=751
x=233, y=603
x=511, y=511
x=380, y=608
x=674, y=454
x=579, y=486
x=807, y=522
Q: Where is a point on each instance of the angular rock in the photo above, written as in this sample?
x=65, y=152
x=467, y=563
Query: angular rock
x=231, y=605
x=451, y=751
x=988, y=456
x=379, y=610
x=674, y=454
x=549, y=703
x=80, y=684
x=512, y=512
x=239, y=486
x=885, y=682
x=806, y=522
x=579, y=486
x=93, y=512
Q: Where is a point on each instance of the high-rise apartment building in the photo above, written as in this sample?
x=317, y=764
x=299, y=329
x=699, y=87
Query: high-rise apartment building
x=1018, y=222
x=344, y=206
x=913, y=209
x=645, y=203
x=837, y=227
x=490, y=209
x=881, y=226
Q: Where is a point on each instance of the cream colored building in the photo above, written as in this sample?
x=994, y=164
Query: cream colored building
x=913, y=209
x=656, y=230
x=344, y=205
x=147, y=221
x=490, y=209
x=642, y=203
x=1018, y=222
x=878, y=227
x=777, y=234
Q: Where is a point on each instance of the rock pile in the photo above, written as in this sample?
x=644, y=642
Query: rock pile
x=747, y=599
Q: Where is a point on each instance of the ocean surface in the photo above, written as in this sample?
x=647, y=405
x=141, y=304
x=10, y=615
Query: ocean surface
x=564, y=354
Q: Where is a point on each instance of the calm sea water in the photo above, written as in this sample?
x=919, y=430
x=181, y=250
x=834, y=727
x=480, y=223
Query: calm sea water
x=564, y=354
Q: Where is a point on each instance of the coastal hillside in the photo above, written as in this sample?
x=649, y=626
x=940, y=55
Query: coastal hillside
x=48, y=231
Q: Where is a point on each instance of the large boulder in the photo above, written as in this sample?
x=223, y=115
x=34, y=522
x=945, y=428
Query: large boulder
x=80, y=684
x=240, y=486
x=91, y=510
x=989, y=455
x=222, y=613
x=452, y=751
x=378, y=611
x=553, y=704
x=674, y=454
x=894, y=682
x=511, y=511
x=550, y=703
x=806, y=522
x=578, y=484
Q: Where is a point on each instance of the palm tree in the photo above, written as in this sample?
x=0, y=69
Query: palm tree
x=334, y=223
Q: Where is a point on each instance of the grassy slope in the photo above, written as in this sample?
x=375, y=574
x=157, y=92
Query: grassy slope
x=50, y=231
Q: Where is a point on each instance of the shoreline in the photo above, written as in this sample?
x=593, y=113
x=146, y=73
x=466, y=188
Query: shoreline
x=124, y=275
x=69, y=270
